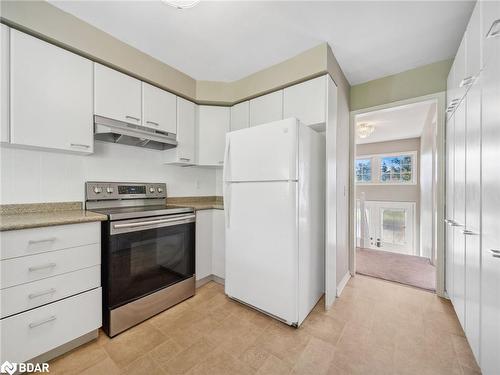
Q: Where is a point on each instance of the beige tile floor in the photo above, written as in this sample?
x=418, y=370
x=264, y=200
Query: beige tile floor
x=375, y=327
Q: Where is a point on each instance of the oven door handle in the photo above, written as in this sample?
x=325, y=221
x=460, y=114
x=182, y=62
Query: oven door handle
x=154, y=222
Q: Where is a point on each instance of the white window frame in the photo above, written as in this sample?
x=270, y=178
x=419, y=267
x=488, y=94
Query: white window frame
x=376, y=168
x=371, y=167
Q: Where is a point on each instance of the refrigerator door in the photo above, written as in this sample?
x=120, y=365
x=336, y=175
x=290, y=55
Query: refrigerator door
x=262, y=246
x=263, y=153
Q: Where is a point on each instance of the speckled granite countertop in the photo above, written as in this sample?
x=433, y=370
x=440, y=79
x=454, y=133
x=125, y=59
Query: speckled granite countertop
x=198, y=203
x=24, y=216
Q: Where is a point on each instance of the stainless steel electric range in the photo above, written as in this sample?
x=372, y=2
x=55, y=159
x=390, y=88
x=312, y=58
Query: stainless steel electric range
x=148, y=251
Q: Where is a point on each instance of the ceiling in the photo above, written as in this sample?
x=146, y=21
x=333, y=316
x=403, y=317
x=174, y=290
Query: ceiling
x=228, y=40
x=400, y=122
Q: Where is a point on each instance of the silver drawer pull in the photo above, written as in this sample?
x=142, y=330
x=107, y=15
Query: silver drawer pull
x=41, y=322
x=79, y=145
x=468, y=232
x=51, y=239
x=495, y=251
x=42, y=267
x=40, y=294
x=496, y=255
x=467, y=81
x=152, y=123
x=493, y=31
x=185, y=159
x=133, y=118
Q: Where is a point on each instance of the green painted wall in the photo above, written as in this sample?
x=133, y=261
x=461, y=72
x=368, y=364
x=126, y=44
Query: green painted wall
x=424, y=80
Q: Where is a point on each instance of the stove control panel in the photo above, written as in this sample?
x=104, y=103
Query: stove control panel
x=124, y=190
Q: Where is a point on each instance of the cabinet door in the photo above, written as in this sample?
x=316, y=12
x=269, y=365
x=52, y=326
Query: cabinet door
x=459, y=205
x=213, y=123
x=240, y=116
x=460, y=70
x=490, y=187
x=473, y=218
x=266, y=108
x=158, y=108
x=450, y=213
x=50, y=96
x=474, y=43
x=219, y=240
x=450, y=93
x=306, y=101
x=186, y=124
x=204, y=242
x=116, y=95
x=4, y=83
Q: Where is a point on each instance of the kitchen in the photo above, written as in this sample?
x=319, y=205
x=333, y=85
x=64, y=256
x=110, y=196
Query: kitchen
x=134, y=196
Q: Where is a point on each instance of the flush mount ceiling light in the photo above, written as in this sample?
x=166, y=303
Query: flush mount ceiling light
x=181, y=4
x=364, y=129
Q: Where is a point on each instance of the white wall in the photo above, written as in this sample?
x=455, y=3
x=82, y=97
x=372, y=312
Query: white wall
x=427, y=164
x=32, y=176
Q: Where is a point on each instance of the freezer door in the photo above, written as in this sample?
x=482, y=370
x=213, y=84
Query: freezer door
x=263, y=153
x=262, y=246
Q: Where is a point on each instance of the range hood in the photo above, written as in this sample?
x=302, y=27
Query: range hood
x=108, y=130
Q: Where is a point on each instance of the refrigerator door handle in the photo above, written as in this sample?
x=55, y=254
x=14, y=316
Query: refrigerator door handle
x=225, y=184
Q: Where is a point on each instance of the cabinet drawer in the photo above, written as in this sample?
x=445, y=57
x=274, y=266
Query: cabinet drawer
x=32, y=333
x=40, y=266
x=28, y=296
x=18, y=243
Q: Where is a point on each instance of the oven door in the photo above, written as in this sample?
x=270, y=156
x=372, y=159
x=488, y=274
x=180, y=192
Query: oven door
x=146, y=255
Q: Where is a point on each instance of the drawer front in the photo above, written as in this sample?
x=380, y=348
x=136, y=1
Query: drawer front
x=40, y=266
x=18, y=243
x=28, y=296
x=32, y=333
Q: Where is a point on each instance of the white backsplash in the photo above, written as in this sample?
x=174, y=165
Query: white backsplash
x=32, y=176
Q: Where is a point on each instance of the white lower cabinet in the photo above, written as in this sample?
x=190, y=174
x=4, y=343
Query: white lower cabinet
x=50, y=288
x=35, y=332
x=210, y=240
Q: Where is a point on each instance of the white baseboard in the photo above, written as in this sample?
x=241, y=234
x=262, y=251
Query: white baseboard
x=343, y=283
x=206, y=279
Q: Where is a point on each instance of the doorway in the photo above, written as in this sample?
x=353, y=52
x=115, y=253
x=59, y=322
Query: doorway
x=395, y=197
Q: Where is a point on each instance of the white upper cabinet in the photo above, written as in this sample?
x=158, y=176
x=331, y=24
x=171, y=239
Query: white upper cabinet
x=50, y=96
x=306, y=101
x=117, y=96
x=460, y=70
x=4, y=83
x=240, y=116
x=474, y=44
x=450, y=100
x=158, y=108
x=266, y=108
x=213, y=124
x=184, y=153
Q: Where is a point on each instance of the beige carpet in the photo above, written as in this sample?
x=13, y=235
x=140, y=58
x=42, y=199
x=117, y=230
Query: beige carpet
x=404, y=269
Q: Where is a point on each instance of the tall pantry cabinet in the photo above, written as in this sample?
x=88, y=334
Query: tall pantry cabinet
x=473, y=185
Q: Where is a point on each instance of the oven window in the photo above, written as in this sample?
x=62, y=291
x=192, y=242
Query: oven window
x=143, y=262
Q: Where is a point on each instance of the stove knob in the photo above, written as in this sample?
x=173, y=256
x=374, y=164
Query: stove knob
x=160, y=190
x=151, y=190
x=97, y=190
x=109, y=189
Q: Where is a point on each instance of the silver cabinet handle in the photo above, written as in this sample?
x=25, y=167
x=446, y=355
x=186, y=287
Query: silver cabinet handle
x=42, y=267
x=40, y=294
x=185, y=159
x=467, y=81
x=495, y=251
x=41, y=322
x=493, y=31
x=152, y=123
x=79, y=145
x=468, y=232
x=51, y=239
x=221, y=162
x=133, y=118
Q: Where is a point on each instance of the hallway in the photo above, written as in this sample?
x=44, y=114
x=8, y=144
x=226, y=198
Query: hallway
x=401, y=268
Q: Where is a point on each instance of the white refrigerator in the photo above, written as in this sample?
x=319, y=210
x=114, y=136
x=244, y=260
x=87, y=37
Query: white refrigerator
x=274, y=201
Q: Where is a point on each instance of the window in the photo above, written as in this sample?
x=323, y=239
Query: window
x=363, y=170
x=396, y=169
x=382, y=169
